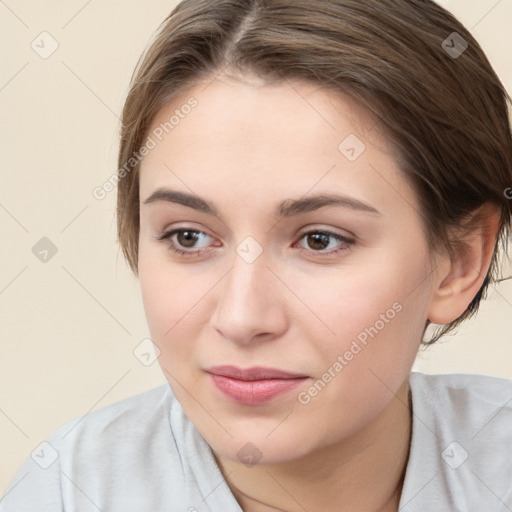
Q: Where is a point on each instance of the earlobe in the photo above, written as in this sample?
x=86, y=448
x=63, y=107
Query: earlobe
x=461, y=276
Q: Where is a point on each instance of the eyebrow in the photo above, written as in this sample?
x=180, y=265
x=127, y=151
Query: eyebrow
x=286, y=208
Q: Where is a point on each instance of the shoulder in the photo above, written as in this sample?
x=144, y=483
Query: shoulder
x=114, y=448
x=472, y=410
x=134, y=432
x=131, y=416
x=486, y=387
x=465, y=401
x=461, y=446
x=141, y=453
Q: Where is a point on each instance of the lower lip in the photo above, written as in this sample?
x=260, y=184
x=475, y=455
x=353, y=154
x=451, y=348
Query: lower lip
x=254, y=392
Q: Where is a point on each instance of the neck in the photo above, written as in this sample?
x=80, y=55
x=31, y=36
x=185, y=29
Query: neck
x=363, y=473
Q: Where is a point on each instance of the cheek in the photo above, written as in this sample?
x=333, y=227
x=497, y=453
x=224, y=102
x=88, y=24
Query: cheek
x=160, y=287
x=348, y=301
x=168, y=301
x=377, y=326
x=368, y=318
x=176, y=301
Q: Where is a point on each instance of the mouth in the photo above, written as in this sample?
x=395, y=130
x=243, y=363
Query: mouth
x=253, y=386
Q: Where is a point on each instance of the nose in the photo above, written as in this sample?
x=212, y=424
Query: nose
x=250, y=304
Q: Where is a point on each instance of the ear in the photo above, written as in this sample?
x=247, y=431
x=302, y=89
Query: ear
x=460, y=277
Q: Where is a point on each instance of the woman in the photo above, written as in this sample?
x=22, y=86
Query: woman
x=303, y=189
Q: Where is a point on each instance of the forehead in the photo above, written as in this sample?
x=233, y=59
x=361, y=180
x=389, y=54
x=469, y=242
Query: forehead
x=248, y=138
x=249, y=108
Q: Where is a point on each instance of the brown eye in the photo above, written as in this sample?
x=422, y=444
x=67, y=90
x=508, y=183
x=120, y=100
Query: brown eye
x=187, y=238
x=183, y=241
x=319, y=241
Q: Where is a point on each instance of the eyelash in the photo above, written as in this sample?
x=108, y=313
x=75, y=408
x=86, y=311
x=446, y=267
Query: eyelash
x=347, y=242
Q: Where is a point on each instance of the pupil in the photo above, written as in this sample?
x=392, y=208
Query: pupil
x=318, y=239
x=187, y=238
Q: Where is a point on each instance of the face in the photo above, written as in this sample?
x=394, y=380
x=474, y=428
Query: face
x=294, y=244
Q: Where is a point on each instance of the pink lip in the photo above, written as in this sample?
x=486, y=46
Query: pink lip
x=253, y=386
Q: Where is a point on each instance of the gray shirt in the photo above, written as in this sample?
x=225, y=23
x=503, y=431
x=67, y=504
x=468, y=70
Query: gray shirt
x=142, y=454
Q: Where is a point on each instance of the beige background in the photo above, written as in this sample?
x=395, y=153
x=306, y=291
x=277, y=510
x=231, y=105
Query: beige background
x=69, y=326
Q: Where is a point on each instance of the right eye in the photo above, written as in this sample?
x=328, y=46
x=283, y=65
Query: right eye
x=184, y=238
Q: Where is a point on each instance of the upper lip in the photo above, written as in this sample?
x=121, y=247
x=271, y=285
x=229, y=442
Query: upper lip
x=254, y=373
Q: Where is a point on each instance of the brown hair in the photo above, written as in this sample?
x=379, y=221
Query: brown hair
x=440, y=102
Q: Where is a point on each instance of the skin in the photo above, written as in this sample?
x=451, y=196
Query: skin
x=246, y=147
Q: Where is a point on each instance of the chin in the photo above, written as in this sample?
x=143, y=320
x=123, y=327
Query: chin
x=258, y=448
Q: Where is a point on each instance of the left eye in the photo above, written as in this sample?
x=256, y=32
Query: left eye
x=319, y=241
